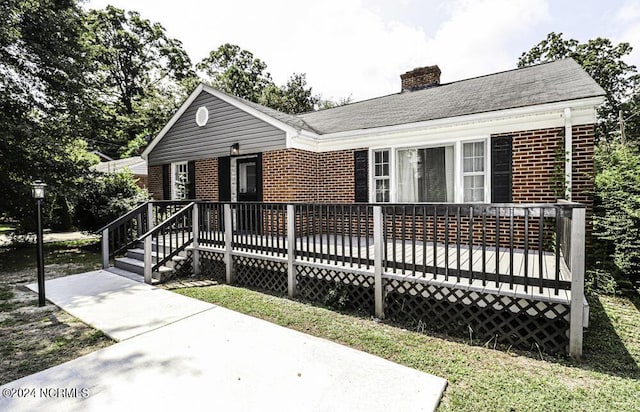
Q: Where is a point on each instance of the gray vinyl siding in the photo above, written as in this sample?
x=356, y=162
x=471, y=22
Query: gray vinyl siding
x=227, y=125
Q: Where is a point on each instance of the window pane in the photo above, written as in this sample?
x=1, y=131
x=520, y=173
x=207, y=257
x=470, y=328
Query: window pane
x=478, y=164
x=382, y=190
x=378, y=170
x=480, y=149
x=385, y=169
x=468, y=165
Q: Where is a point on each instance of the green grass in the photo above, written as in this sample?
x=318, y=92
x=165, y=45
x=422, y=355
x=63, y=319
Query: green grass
x=33, y=338
x=479, y=378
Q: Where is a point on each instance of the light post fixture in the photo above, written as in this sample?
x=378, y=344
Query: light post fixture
x=235, y=149
x=37, y=190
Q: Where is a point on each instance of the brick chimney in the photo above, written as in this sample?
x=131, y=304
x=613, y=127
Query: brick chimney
x=420, y=78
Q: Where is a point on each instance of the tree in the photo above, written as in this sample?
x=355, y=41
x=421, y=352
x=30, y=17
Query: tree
x=135, y=77
x=292, y=98
x=42, y=61
x=236, y=71
x=604, y=63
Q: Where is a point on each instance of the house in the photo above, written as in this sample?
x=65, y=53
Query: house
x=136, y=165
x=495, y=138
x=463, y=206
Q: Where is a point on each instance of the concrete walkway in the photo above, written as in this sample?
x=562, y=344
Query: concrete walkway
x=178, y=353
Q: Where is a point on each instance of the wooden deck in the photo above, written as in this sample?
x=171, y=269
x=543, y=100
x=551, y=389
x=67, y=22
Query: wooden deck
x=357, y=255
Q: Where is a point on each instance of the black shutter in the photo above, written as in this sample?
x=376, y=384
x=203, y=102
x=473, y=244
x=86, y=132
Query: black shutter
x=501, y=158
x=166, y=182
x=224, y=179
x=259, y=177
x=361, y=166
x=191, y=171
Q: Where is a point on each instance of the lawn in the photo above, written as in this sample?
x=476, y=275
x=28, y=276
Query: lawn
x=480, y=378
x=32, y=338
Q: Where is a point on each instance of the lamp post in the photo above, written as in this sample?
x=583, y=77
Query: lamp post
x=37, y=190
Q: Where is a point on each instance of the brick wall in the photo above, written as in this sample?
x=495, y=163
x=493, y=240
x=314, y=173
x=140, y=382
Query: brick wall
x=207, y=179
x=336, y=177
x=534, y=159
x=289, y=175
x=583, y=138
x=155, y=182
x=538, y=157
x=141, y=180
x=301, y=176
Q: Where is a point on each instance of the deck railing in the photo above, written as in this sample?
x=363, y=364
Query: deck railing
x=523, y=248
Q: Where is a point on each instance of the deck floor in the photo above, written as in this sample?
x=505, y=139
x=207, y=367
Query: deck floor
x=329, y=251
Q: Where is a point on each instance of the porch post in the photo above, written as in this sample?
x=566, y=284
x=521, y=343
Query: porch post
x=577, y=281
x=377, y=259
x=228, y=238
x=150, y=216
x=291, y=250
x=105, y=249
x=148, y=260
x=195, y=251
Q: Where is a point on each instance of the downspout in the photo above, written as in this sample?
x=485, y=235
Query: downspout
x=568, y=165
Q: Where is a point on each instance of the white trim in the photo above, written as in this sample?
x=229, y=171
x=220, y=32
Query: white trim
x=568, y=152
x=519, y=119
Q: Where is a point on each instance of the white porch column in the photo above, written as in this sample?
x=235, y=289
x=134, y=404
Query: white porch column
x=577, y=282
x=228, y=238
x=195, y=252
x=377, y=259
x=291, y=250
x=105, y=249
x=568, y=153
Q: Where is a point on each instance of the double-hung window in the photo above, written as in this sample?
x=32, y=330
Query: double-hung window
x=381, y=177
x=473, y=172
x=180, y=181
x=447, y=173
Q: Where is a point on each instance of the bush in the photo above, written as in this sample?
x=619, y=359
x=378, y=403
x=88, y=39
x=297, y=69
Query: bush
x=106, y=197
x=617, y=210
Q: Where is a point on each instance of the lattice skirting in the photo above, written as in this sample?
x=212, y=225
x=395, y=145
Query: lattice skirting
x=183, y=268
x=519, y=322
x=212, y=266
x=341, y=290
x=260, y=274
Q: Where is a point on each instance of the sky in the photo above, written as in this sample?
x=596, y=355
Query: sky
x=359, y=48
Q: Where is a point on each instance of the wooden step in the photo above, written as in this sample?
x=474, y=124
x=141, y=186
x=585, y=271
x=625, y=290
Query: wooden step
x=137, y=266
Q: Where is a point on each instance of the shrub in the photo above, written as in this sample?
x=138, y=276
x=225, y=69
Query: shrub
x=106, y=197
x=617, y=210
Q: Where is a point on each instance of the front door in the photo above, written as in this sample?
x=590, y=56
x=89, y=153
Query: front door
x=248, y=189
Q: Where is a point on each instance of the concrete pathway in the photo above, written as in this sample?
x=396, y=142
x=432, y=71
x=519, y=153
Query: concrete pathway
x=178, y=353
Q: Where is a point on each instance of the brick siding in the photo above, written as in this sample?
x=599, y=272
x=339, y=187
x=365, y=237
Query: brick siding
x=207, y=179
x=155, y=182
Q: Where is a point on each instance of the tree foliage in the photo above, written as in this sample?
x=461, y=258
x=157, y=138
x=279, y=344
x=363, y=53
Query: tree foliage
x=135, y=77
x=605, y=63
x=41, y=98
x=236, y=71
x=617, y=213
x=105, y=197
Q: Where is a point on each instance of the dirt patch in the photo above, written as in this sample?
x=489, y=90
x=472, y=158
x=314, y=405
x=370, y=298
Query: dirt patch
x=35, y=338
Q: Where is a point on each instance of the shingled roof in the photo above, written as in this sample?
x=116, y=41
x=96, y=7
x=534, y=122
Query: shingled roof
x=545, y=83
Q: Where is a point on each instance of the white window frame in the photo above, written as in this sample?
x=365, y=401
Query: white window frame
x=457, y=143
x=382, y=177
x=484, y=173
x=174, y=171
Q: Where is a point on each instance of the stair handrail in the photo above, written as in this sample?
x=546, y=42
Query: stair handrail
x=165, y=222
x=147, y=239
x=126, y=217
